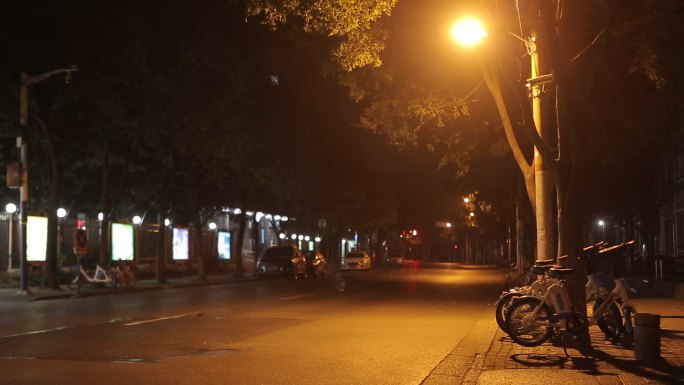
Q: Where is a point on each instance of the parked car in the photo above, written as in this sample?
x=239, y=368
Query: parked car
x=356, y=260
x=316, y=264
x=281, y=261
x=396, y=260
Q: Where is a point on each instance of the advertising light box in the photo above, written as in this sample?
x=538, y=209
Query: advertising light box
x=36, y=238
x=223, y=246
x=122, y=242
x=181, y=244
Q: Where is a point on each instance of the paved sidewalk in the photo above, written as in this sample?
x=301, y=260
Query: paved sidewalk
x=606, y=364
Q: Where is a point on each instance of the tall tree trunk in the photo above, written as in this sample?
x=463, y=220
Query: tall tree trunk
x=160, y=255
x=199, y=247
x=103, y=256
x=242, y=223
x=50, y=278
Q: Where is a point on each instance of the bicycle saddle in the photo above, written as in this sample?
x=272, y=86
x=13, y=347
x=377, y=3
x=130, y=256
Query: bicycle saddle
x=540, y=269
x=560, y=272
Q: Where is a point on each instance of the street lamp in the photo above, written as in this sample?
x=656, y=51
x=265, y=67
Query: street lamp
x=137, y=220
x=469, y=32
x=22, y=144
x=11, y=208
x=61, y=214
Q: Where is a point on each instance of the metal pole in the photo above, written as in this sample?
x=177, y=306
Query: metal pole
x=22, y=144
x=23, y=217
x=10, y=241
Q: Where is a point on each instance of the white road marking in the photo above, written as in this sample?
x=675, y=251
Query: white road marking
x=160, y=319
x=295, y=297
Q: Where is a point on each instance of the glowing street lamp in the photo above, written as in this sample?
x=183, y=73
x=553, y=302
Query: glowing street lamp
x=137, y=220
x=61, y=214
x=468, y=32
x=11, y=208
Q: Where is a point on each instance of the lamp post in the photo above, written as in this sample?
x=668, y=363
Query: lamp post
x=61, y=215
x=11, y=208
x=137, y=221
x=602, y=225
x=212, y=239
x=26, y=82
x=469, y=32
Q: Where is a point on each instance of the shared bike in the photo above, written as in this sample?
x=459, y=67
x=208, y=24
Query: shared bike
x=532, y=320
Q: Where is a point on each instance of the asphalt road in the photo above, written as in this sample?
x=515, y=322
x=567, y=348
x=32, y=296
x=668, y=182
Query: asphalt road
x=386, y=326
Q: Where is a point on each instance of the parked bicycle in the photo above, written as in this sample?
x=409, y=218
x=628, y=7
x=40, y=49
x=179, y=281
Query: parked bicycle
x=531, y=321
x=81, y=278
x=536, y=283
x=614, y=303
x=123, y=275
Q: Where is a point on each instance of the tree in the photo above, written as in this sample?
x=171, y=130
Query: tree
x=578, y=38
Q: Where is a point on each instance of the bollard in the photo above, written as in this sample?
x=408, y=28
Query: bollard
x=646, y=337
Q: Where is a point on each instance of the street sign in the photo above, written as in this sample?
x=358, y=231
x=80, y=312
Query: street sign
x=14, y=175
x=80, y=242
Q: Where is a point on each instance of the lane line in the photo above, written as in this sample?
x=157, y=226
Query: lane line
x=295, y=297
x=160, y=319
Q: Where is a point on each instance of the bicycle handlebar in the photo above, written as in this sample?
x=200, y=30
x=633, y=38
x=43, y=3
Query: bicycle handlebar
x=623, y=245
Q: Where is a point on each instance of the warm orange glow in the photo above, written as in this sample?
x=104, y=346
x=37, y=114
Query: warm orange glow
x=468, y=32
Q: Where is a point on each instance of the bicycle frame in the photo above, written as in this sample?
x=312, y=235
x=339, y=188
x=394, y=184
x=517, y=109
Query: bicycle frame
x=618, y=296
x=557, y=298
x=96, y=278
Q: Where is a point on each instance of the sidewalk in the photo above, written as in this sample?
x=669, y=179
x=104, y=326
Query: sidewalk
x=606, y=364
x=11, y=293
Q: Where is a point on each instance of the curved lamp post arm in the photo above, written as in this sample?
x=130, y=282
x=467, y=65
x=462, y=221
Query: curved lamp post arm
x=27, y=80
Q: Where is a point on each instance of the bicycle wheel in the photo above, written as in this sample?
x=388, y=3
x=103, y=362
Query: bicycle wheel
x=611, y=322
x=73, y=283
x=522, y=327
x=131, y=278
x=502, y=308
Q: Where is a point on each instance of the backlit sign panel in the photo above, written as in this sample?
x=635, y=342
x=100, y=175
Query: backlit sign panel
x=122, y=242
x=36, y=238
x=223, y=246
x=181, y=244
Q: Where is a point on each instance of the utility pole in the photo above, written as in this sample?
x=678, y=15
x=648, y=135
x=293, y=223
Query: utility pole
x=22, y=145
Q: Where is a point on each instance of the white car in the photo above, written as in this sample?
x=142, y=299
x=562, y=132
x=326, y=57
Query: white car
x=356, y=260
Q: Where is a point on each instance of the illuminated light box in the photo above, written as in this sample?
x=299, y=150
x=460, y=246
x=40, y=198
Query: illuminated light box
x=181, y=244
x=122, y=242
x=223, y=245
x=36, y=238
